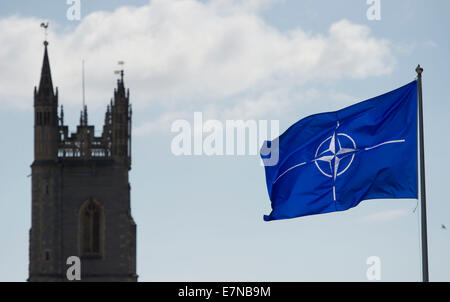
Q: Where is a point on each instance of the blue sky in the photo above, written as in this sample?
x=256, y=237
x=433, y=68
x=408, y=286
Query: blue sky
x=200, y=218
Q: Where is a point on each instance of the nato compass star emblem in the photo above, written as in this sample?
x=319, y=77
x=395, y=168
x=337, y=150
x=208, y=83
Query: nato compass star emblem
x=335, y=155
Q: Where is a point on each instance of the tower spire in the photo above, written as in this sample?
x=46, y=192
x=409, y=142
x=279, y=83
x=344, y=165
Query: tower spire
x=120, y=83
x=46, y=84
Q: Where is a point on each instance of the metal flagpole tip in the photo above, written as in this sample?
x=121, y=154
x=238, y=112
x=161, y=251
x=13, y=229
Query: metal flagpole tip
x=419, y=69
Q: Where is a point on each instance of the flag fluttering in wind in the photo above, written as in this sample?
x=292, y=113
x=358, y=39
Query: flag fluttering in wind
x=332, y=161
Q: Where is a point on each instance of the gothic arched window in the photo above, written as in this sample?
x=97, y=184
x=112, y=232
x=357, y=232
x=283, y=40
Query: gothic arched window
x=91, y=226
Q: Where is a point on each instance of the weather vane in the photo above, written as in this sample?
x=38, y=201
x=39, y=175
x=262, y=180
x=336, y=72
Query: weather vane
x=120, y=72
x=45, y=27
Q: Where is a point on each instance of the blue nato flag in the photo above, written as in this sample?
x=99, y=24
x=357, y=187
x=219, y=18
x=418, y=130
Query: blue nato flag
x=332, y=161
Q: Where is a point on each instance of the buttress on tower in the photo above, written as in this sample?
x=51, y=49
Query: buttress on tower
x=81, y=191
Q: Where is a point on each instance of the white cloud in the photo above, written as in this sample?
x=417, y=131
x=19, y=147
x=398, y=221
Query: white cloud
x=384, y=216
x=186, y=53
x=239, y=6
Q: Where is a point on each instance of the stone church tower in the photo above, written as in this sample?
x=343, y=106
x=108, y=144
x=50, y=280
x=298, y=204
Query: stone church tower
x=81, y=191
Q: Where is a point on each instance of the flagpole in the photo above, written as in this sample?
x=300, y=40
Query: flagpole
x=423, y=198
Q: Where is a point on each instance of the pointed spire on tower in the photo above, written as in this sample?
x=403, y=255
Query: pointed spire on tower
x=46, y=84
x=85, y=116
x=120, y=84
x=61, y=118
x=108, y=115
